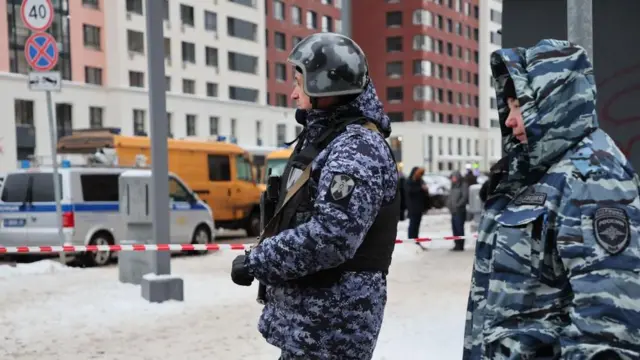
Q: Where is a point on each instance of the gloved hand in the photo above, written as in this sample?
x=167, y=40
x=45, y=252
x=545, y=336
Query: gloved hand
x=239, y=272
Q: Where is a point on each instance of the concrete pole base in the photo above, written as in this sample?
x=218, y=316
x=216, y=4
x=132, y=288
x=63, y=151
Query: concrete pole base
x=161, y=288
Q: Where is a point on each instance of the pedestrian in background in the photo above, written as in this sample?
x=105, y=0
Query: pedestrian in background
x=457, y=205
x=417, y=196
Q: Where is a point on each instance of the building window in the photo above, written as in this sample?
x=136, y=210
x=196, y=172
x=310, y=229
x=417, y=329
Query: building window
x=327, y=23
x=281, y=72
x=92, y=75
x=396, y=116
x=258, y=132
x=249, y=3
x=242, y=63
x=139, y=128
x=186, y=15
x=135, y=41
x=165, y=7
x=423, y=116
x=188, y=52
x=422, y=43
x=93, y=4
x=169, y=125
x=91, y=36
x=167, y=50
x=496, y=38
x=394, y=69
x=422, y=17
x=211, y=56
x=394, y=19
x=167, y=81
x=136, y=79
x=212, y=89
x=23, y=112
x=394, y=44
x=422, y=93
x=281, y=100
x=278, y=10
x=395, y=94
x=213, y=125
x=210, y=21
x=242, y=29
x=280, y=40
x=234, y=124
x=134, y=6
x=188, y=86
x=64, y=120
x=496, y=16
x=296, y=15
x=191, y=125
x=422, y=67
x=96, y=117
x=312, y=20
x=295, y=40
x=243, y=94
x=281, y=134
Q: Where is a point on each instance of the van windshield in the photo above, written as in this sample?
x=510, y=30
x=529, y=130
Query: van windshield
x=16, y=187
x=276, y=166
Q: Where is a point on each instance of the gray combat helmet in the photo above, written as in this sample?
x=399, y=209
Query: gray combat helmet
x=331, y=64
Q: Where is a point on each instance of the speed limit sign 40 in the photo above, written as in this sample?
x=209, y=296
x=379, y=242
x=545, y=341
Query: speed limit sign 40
x=37, y=15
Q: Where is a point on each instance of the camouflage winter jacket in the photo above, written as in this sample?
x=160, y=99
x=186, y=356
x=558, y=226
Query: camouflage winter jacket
x=342, y=321
x=557, y=266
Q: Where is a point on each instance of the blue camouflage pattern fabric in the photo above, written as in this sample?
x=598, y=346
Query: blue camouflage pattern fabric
x=557, y=262
x=341, y=321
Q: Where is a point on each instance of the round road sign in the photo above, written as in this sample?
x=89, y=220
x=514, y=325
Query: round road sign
x=37, y=15
x=41, y=51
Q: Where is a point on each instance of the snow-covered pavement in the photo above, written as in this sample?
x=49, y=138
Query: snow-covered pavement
x=52, y=312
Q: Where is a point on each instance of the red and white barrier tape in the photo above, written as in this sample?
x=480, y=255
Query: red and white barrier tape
x=170, y=247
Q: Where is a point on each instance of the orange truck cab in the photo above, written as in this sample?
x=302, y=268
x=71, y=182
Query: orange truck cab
x=275, y=164
x=220, y=173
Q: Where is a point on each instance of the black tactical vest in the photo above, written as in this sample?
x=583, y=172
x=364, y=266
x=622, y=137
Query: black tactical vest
x=374, y=254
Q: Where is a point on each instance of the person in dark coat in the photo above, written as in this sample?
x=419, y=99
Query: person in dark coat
x=457, y=205
x=416, y=194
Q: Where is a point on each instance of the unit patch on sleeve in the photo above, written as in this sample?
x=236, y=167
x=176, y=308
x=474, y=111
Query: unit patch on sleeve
x=531, y=198
x=340, y=189
x=611, y=229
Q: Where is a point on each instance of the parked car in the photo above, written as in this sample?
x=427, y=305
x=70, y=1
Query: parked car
x=439, y=187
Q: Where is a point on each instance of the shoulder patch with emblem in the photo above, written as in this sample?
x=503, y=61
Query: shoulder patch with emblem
x=531, y=198
x=611, y=229
x=340, y=189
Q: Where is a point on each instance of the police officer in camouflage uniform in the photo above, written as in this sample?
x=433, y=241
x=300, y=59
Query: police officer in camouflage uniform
x=325, y=268
x=556, y=273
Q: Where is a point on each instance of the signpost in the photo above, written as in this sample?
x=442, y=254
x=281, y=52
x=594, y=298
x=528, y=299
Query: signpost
x=41, y=52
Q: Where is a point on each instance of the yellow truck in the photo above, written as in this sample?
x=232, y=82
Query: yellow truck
x=220, y=173
x=275, y=162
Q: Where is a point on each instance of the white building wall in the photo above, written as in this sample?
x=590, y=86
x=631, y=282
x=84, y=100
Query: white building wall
x=418, y=150
x=491, y=138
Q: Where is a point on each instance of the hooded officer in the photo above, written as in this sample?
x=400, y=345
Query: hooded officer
x=557, y=256
x=325, y=267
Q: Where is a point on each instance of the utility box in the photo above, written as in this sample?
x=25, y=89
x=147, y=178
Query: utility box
x=135, y=212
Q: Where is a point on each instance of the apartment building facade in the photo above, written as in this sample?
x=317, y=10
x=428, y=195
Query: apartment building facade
x=288, y=22
x=215, y=66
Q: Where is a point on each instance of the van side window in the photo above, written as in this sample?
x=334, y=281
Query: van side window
x=15, y=188
x=100, y=187
x=243, y=169
x=42, y=187
x=177, y=192
x=219, y=168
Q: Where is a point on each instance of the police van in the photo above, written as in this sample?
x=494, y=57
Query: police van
x=90, y=210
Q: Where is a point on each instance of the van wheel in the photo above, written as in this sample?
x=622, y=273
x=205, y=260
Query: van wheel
x=201, y=236
x=253, y=224
x=98, y=258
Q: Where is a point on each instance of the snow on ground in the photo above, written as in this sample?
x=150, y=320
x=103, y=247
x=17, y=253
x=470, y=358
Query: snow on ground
x=49, y=312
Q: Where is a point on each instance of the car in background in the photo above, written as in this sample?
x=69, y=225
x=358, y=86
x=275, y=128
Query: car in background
x=439, y=186
x=90, y=211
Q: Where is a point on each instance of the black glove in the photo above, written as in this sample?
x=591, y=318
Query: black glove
x=239, y=272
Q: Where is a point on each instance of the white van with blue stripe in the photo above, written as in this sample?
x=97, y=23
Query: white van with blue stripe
x=90, y=210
